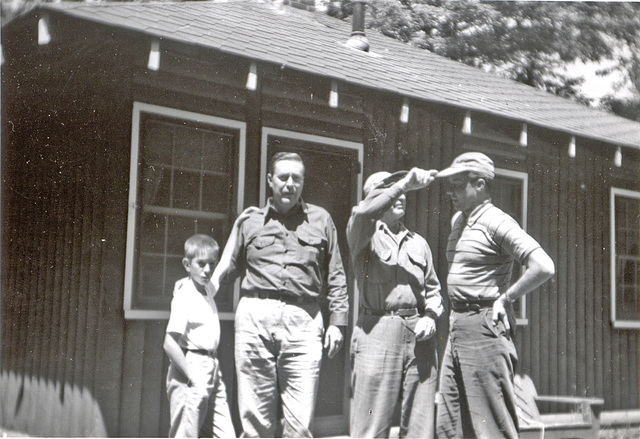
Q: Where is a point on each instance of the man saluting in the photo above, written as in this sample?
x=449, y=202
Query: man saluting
x=393, y=349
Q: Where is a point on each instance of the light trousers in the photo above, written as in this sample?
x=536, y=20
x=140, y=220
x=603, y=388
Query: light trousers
x=390, y=370
x=476, y=380
x=189, y=407
x=278, y=351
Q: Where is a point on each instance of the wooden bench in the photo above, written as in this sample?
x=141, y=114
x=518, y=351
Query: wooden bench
x=550, y=417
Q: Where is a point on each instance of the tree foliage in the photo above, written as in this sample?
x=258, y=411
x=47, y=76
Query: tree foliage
x=530, y=42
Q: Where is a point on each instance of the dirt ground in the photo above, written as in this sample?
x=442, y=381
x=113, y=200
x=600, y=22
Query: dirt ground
x=605, y=433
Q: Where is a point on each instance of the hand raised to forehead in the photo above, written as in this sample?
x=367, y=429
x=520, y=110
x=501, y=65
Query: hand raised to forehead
x=418, y=178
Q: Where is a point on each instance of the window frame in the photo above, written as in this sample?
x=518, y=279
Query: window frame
x=521, y=319
x=626, y=193
x=131, y=313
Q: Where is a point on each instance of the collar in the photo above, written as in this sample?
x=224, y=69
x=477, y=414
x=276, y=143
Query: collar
x=402, y=232
x=477, y=212
x=270, y=211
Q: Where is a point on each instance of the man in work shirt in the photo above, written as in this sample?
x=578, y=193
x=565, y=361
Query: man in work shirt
x=287, y=255
x=476, y=379
x=393, y=350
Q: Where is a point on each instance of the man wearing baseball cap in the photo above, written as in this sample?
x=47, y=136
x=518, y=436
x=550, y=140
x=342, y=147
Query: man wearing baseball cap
x=476, y=379
x=394, y=360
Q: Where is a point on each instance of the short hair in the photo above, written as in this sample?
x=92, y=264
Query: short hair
x=199, y=244
x=473, y=176
x=281, y=156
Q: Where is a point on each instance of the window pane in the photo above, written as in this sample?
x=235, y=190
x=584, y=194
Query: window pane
x=180, y=229
x=187, y=151
x=158, y=142
x=151, y=279
x=186, y=190
x=216, y=152
x=628, y=290
x=217, y=229
x=175, y=272
x=153, y=228
x=506, y=193
x=155, y=185
x=215, y=193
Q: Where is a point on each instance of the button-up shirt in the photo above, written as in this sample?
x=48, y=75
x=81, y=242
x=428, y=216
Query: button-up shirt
x=481, y=250
x=294, y=254
x=393, y=271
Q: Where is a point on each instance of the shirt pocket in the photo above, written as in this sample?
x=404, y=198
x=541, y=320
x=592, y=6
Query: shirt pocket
x=416, y=269
x=418, y=261
x=312, y=248
x=384, y=254
x=261, y=251
x=262, y=242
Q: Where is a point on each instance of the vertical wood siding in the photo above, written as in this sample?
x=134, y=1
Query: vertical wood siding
x=53, y=295
x=569, y=346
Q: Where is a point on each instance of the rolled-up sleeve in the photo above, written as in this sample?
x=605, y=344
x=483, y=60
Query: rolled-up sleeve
x=433, y=298
x=336, y=279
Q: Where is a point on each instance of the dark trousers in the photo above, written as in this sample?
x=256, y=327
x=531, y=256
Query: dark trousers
x=476, y=380
x=389, y=369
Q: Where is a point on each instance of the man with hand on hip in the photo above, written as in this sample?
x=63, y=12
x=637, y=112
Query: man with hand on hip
x=476, y=379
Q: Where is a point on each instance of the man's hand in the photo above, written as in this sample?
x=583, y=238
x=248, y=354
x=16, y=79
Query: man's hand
x=333, y=340
x=500, y=313
x=425, y=328
x=418, y=178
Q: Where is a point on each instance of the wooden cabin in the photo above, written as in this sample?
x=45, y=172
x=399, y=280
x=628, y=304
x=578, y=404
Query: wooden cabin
x=127, y=127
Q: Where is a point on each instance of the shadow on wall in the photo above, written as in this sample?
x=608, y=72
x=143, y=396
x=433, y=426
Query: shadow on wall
x=40, y=406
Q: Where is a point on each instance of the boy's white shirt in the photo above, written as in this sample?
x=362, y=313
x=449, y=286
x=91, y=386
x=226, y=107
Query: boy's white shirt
x=195, y=316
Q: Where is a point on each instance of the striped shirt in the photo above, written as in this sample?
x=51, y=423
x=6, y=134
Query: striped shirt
x=481, y=251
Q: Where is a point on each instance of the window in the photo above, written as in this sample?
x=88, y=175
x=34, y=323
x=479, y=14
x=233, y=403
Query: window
x=184, y=169
x=509, y=193
x=625, y=258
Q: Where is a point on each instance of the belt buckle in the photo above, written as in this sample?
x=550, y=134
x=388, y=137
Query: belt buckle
x=409, y=312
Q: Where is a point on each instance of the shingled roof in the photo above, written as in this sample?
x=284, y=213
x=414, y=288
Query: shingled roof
x=315, y=43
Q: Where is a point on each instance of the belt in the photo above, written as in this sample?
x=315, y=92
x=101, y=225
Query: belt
x=213, y=353
x=475, y=305
x=403, y=312
x=286, y=298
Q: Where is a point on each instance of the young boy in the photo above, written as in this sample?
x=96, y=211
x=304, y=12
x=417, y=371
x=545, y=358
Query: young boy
x=194, y=383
